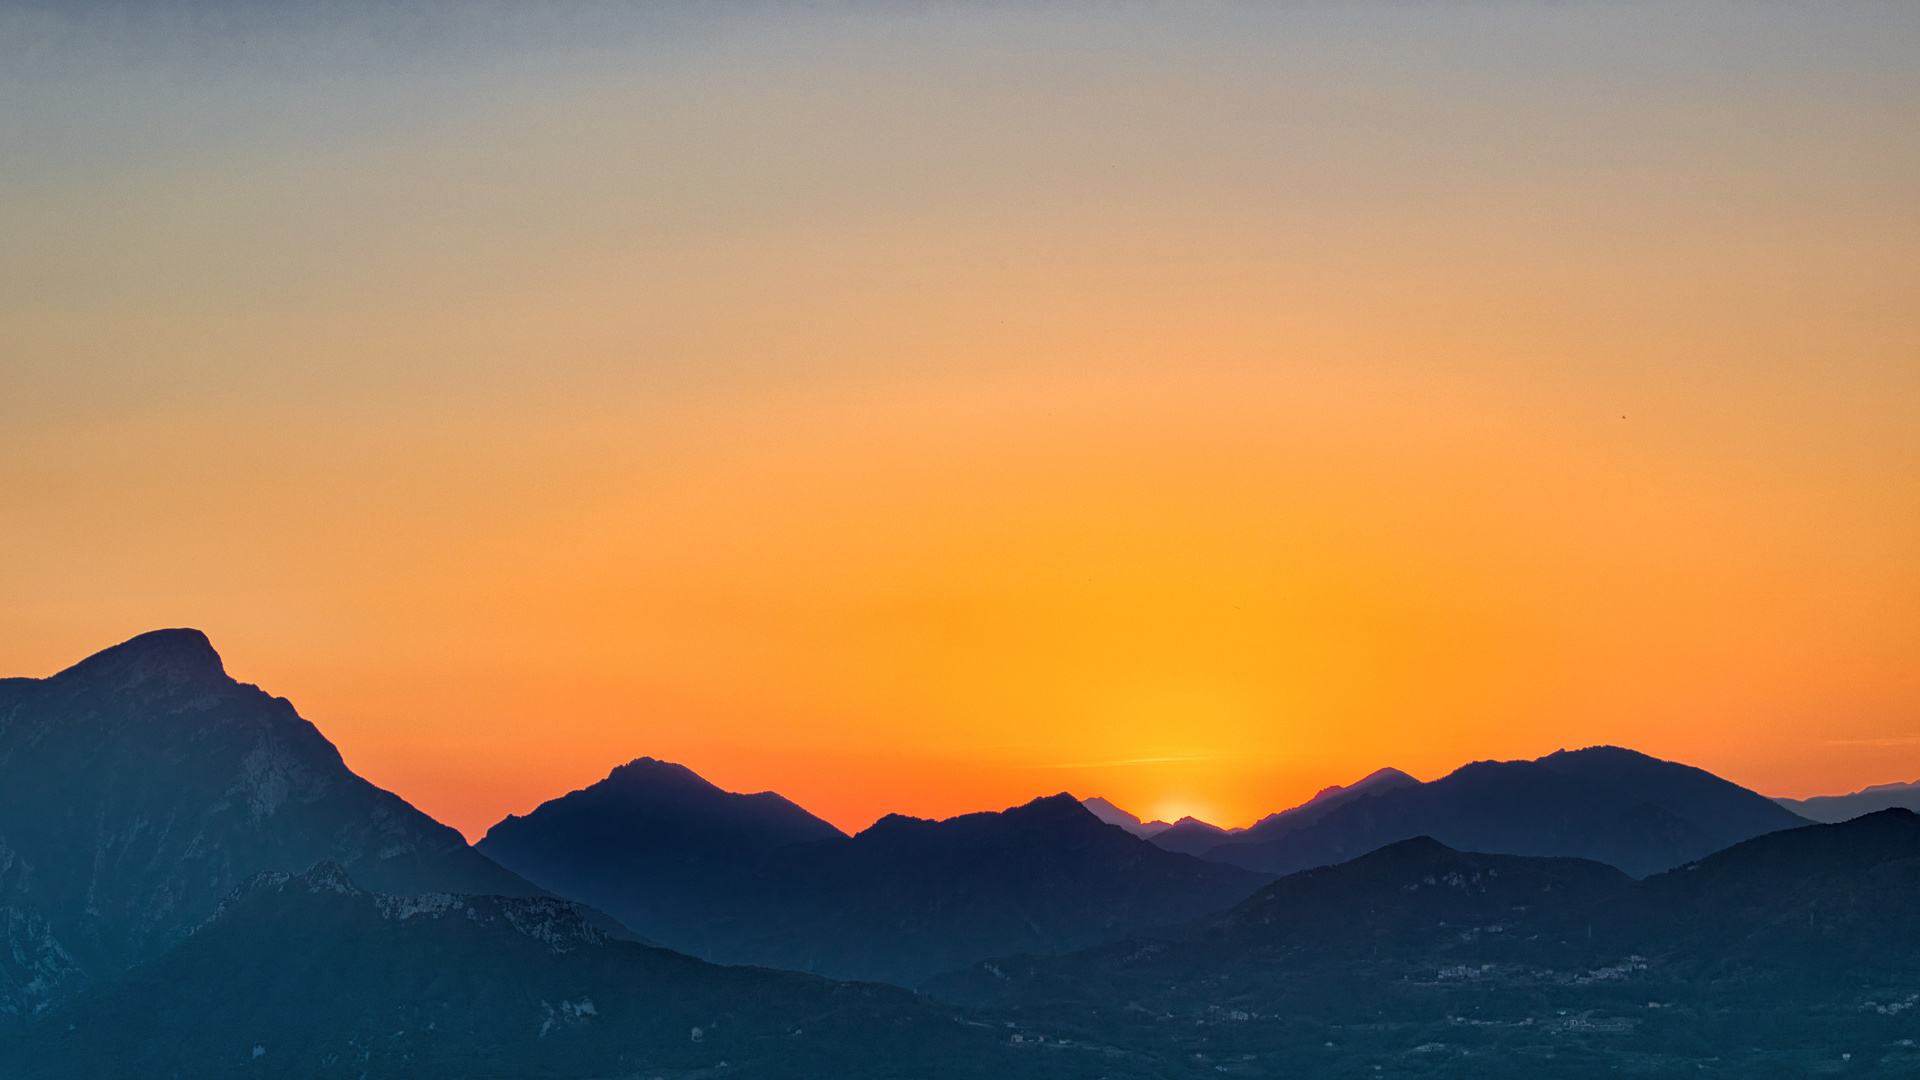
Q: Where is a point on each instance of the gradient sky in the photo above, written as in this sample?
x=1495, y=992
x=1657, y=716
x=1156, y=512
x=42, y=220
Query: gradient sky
x=923, y=407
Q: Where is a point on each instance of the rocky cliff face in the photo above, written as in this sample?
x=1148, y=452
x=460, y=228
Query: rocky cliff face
x=140, y=786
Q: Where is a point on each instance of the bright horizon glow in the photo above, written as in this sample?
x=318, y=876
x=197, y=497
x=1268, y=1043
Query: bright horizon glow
x=923, y=408
x=1177, y=811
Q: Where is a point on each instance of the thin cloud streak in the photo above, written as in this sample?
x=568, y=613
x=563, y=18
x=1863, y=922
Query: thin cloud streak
x=1131, y=761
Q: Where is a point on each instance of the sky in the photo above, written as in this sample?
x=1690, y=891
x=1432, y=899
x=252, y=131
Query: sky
x=922, y=407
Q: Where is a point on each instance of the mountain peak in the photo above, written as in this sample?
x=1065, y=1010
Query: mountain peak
x=653, y=771
x=1605, y=803
x=1113, y=815
x=1060, y=807
x=1605, y=753
x=1110, y=813
x=178, y=656
x=145, y=780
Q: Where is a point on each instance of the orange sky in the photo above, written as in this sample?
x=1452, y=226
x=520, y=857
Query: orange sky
x=926, y=409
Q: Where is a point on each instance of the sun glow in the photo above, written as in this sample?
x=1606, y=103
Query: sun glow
x=1175, y=811
x=975, y=402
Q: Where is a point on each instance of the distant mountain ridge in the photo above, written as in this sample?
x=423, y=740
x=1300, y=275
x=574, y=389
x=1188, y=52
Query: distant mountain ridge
x=1191, y=836
x=1325, y=802
x=1409, y=897
x=902, y=900
x=1604, y=803
x=141, y=785
x=185, y=871
x=1837, y=808
x=1792, y=953
x=1113, y=815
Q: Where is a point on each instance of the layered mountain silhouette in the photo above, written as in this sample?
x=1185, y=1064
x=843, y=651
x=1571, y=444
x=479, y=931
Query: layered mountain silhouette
x=1191, y=836
x=192, y=883
x=752, y=879
x=1328, y=800
x=1794, y=953
x=1615, y=806
x=1410, y=898
x=308, y=975
x=1113, y=815
x=1837, y=808
x=655, y=840
x=141, y=785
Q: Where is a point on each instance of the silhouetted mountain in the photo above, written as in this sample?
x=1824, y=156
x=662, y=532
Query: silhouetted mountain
x=900, y=901
x=908, y=897
x=139, y=786
x=1807, y=910
x=1616, y=806
x=1411, y=888
x=306, y=975
x=1113, y=815
x=1274, y=826
x=1191, y=836
x=653, y=843
x=1836, y=808
x=1410, y=897
x=1794, y=953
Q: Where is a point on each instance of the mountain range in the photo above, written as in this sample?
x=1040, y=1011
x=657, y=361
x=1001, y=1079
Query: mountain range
x=1605, y=803
x=141, y=785
x=1836, y=808
x=753, y=879
x=192, y=883
x=1794, y=953
x=1113, y=815
x=1191, y=836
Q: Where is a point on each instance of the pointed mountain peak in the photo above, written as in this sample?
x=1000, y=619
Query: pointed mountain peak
x=1110, y=813
x=1061, y=807
x=1375, y=780
x=1328, y=799
x=651, y=787
x=179, y=656
x=654, y=772
x=1113, y=815
x=1046, y=814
